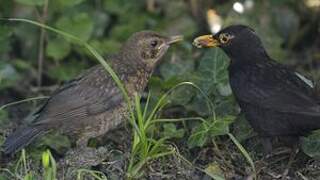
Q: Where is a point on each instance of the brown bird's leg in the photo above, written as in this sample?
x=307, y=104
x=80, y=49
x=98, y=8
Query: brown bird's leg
x=81, y=157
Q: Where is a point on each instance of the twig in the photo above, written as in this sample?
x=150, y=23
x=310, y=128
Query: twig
x=41, y=43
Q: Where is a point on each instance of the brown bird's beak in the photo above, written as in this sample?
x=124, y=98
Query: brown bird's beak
x=171, y=40
x=174, y=39
x=206, y=41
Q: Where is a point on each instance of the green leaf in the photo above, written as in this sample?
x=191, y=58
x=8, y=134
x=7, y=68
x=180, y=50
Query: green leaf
x=209, y=128
x=45, y=159
x=8, y=75
x=214, y=171
x=3, y=176
x=170, y=130
x=213, y=70
x=311, y=144
x=121, y=6
x=199, y=136
x=124, y=30
x=29, y=176
x=106, y=46
x=212, y=77
x=4, y=118
x=221, y=126
x=31, y=2
x=58, y=49
x=22, y=64
x=242, y=129
x=171, y=70
x=80, y=25
x=67, y=71
x=5, y=34
x=55, y=141
x=182, y=95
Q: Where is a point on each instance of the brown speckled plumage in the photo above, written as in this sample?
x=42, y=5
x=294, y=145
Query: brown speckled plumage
x=91, y=104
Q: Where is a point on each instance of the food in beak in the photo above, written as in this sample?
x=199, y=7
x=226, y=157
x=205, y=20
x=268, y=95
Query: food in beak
x=206, y=41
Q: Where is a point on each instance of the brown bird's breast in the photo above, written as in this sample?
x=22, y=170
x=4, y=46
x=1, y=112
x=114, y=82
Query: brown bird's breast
x=116, y=109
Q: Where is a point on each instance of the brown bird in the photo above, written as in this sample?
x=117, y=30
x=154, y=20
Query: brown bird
x=92, y=104
x=276, y=100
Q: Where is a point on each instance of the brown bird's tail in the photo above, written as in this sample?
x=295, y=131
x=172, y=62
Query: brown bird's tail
x=21, y=138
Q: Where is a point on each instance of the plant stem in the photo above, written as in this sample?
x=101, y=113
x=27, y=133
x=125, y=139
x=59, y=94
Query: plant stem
x=42, y=20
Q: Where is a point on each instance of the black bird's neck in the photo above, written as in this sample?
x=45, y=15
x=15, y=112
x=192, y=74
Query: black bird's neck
x=251, y=55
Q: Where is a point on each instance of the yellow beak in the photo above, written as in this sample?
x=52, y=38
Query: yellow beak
x=206, y=41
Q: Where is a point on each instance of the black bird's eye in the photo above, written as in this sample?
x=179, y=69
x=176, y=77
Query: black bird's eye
x=224, y=38
x=154, y=43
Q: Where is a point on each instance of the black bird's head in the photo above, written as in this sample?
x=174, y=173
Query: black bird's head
x=239, y=42
x=147, y=47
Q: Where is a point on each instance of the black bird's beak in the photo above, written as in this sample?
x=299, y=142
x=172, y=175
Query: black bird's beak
x=174, y=39
x=206, y=41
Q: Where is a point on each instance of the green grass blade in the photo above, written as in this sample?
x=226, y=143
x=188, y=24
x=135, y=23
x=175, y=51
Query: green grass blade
x=244, y=153
x=163, y=97
x=180, y=119
x=145, y=111
x=23, y=101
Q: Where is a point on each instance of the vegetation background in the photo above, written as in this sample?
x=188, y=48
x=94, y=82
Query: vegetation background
x=34, y=62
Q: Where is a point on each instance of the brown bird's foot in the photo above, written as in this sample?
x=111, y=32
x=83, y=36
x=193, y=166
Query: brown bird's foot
x=81, y=158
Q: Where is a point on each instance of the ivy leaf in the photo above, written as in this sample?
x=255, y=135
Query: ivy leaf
x=214, y=171
x=212, y=70
x=58, y=49
x=5, y=33
x=211, y=76
x=8, y=75
x=56, y=141
x=311, y=144
x=209, y=128
x=170, y=130
x=67, y=71
x=80, y=25
x=171, y=70
x=121, y=6
x=221, y=126
x=242, y=129
x=199, y=136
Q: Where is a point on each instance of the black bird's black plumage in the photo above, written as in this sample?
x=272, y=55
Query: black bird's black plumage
x=276, y=100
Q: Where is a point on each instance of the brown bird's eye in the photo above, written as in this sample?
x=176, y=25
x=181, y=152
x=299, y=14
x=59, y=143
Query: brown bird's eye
x=154, y=43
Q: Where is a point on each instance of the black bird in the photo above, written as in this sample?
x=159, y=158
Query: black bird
x=276, y=100
x=92, y=104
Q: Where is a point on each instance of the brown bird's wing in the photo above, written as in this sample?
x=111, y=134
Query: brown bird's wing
x=273, y=86
x=92, y=93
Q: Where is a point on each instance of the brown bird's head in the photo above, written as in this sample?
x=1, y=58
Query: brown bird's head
x=147, y=47
x=239, y=42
